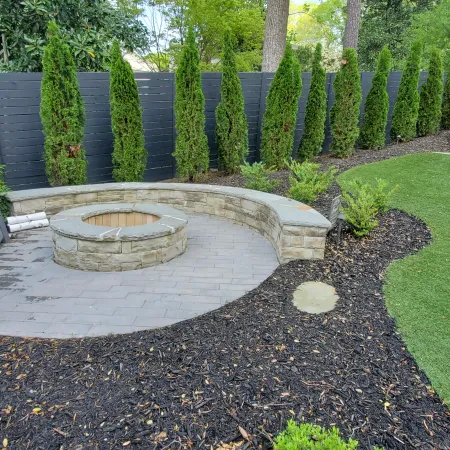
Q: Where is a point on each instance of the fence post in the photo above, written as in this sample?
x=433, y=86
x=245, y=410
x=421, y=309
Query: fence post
x=174, y=132
x=262, y=103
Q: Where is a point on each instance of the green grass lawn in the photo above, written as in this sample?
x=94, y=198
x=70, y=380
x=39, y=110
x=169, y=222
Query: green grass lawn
x=417, y=288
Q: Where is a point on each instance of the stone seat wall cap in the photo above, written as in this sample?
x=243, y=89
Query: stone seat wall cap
x=280, y=205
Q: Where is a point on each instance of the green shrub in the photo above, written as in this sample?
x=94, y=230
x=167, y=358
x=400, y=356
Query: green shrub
x=373, y=129
x=231, y=122
x=278, y=127
x=309, y=437
x=362, y=203
x=307, y=181
x=256, y=177
x=382, y=194
x=129, y=156
x=4, y=201
x=344, y=114
x=62, y=114
x=406, y=109
x=430, y=107
x=191, y=147
x=316, y=111
x=446, y=106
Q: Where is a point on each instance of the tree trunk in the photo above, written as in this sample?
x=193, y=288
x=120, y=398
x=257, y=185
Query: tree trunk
x=275, y=34
x=352, y=25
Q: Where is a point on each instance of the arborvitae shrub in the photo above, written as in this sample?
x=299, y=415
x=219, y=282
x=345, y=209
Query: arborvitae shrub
x=373, y=129
x=191, y=148
x=278, y=127
x=430, y=107
x=406, y=109
x=345, y=111
x=316, y=110
x=446, y=105
x=129, y=155
x=445, y=119
x=62, y=114
x=231, y=122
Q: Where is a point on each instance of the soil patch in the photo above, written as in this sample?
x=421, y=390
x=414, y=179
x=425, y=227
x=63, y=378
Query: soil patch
x=237, y=373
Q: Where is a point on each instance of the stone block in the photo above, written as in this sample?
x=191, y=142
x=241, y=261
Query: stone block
x=149, y=244
x=150, y=258
x=314, y=242
x=110, y=196
x=30, y=206
x=85, y=199
x=147, y=195
x=126, y=247
x=293, y=241
x=99, y=246
x=65, y=243
x=129, y=196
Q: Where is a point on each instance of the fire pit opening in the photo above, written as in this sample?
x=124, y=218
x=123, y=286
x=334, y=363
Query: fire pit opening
x=122, y=219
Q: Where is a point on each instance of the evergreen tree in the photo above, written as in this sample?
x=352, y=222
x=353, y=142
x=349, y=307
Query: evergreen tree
x=406, y=109
x=373, y=129
x=430, y=107
x=316, y=110
x=191, y=148
x=278, y=127
x=62, y=114
x=345, y=111
x=446, y=106
x=231, y=122
x=129, y=156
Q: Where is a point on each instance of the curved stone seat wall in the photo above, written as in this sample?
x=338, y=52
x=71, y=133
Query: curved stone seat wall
x=296, y=230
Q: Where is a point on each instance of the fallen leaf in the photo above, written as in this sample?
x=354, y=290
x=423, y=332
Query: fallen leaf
x=244, y=433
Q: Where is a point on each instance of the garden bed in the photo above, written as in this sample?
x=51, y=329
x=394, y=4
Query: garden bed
x=436, y=143
x=252, y=364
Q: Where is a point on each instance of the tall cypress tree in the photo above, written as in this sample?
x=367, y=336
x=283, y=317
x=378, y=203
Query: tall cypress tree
x=191, y=148
x=373, y=129
x=406, y=109
x=231, y=122
x=345, y=111
x=446, y=105
x=430, y=107
x=278, y=127
x=316, y=110
x=62, y=114
x=129, y=155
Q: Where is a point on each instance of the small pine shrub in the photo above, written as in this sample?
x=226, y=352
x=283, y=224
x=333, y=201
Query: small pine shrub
x=406, y=109
x=430, y=106
x=362, y=203
x=129, y=155
x=382, y=194
x=446, y=106
x=231, y=122
x=316, y=111
x=4, y=201
x=307, y=436
x=278, y=127
x=62, y=114
x=191, y=147
x=345, y=111
x=307, y=181
x=373, y=129
x=256, y=177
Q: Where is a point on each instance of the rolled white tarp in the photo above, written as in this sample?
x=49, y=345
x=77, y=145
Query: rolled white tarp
x=26, y=218
x=28, y=225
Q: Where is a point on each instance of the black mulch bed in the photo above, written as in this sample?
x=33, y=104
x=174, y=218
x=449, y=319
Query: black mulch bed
x=252, y=364
x=437, y=143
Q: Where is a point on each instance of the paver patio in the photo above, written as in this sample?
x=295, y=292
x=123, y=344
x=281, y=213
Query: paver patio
x=40, y=298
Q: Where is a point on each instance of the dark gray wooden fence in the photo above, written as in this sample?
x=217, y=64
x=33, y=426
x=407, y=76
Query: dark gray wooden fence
x=22, y=141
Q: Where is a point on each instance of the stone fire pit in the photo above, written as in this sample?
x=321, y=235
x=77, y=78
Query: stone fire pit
x=118, y=237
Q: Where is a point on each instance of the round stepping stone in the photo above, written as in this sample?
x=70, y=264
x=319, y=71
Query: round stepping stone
x=315, y=297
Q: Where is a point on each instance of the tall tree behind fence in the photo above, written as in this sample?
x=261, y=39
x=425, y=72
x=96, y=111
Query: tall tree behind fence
x=22, y=141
